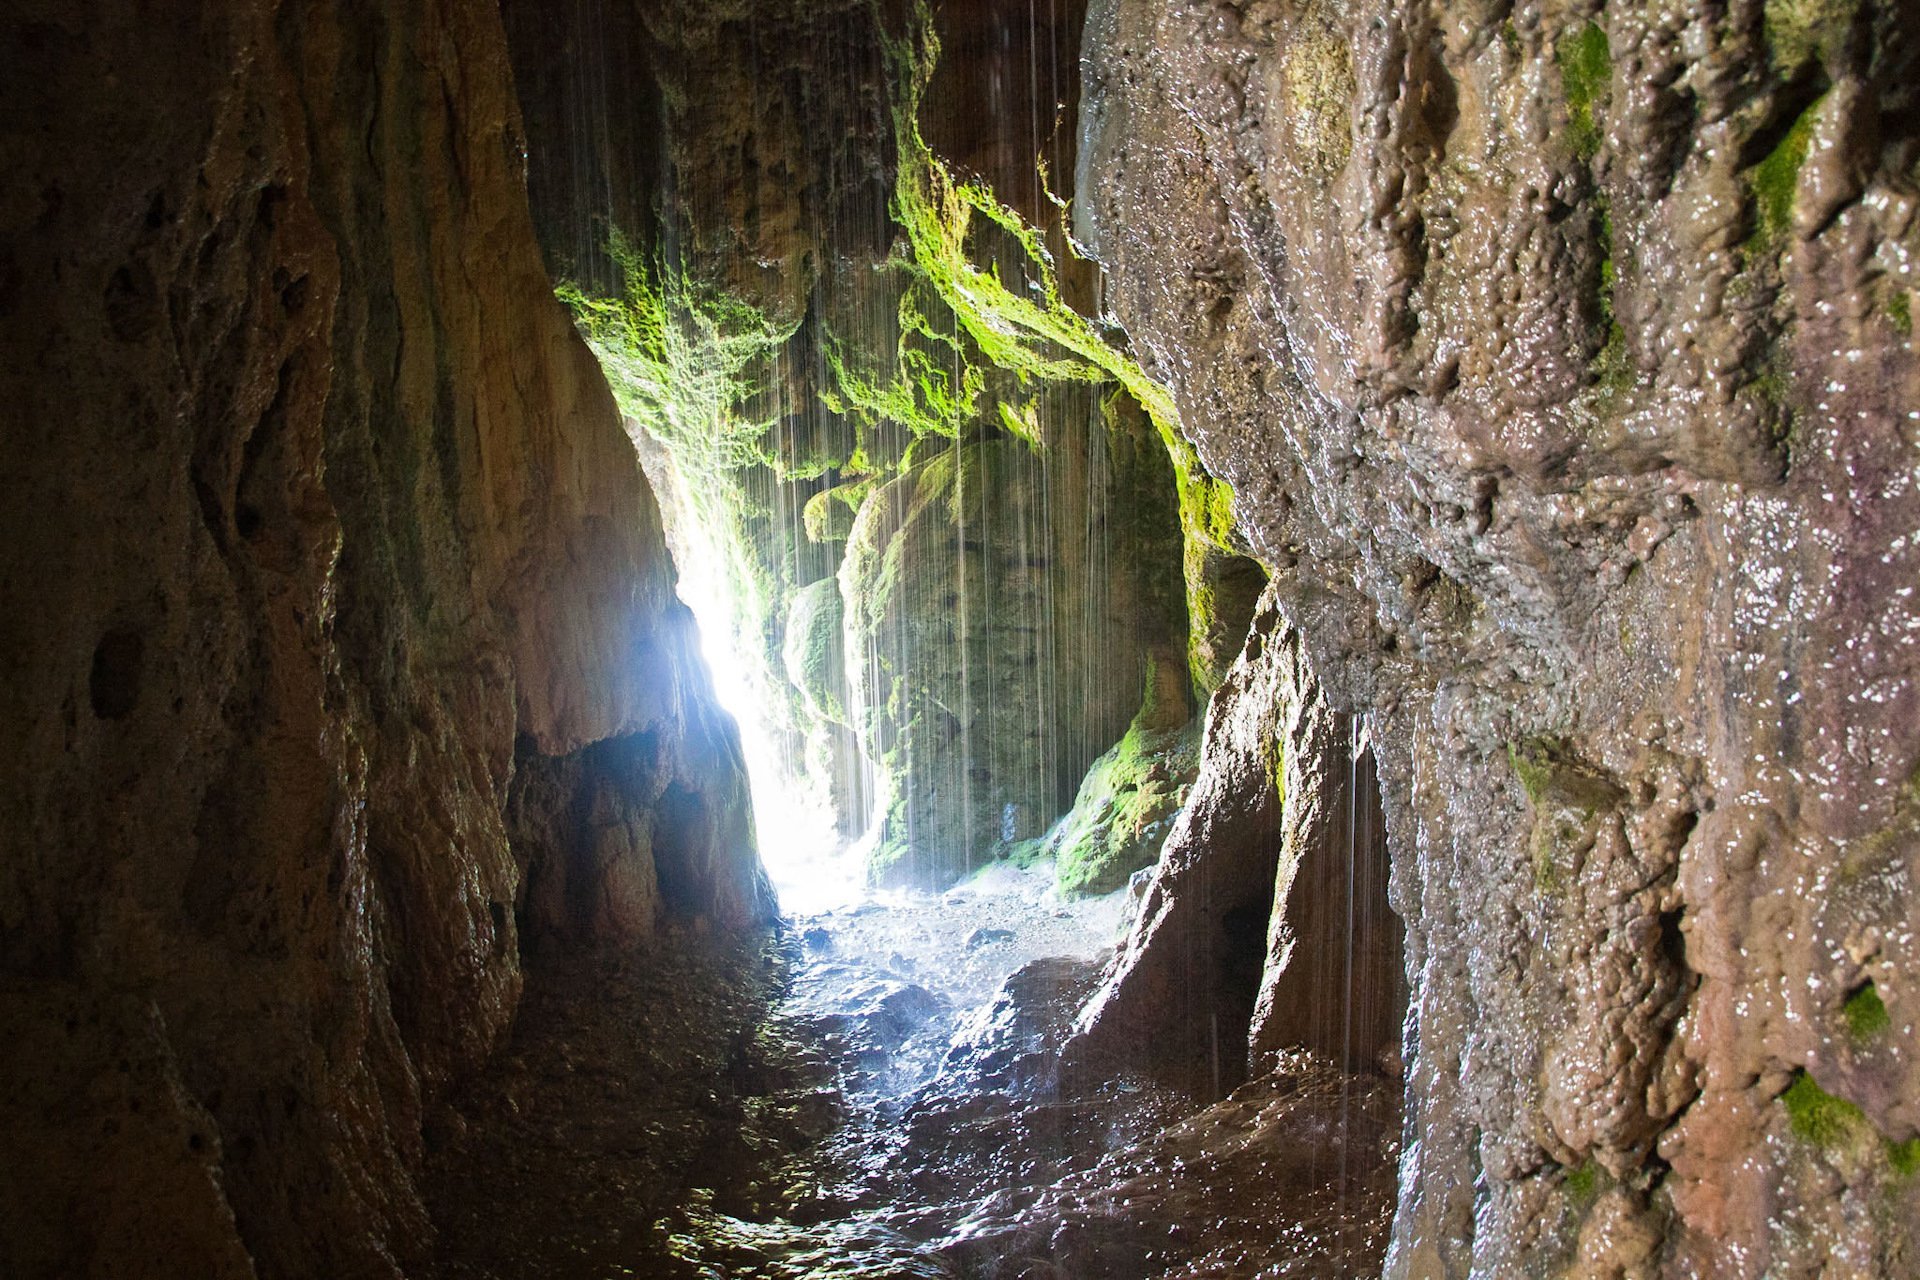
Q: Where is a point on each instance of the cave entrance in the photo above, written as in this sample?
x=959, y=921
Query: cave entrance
x=808, y=843
x=960, y=578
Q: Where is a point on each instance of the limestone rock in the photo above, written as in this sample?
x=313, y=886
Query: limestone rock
x=1125, y=807
x=990, y=662
x=316, y=508
x=1265, y=926
x=1561, y=365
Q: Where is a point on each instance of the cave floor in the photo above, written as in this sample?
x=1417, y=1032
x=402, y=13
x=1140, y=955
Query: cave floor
x=869, y=1093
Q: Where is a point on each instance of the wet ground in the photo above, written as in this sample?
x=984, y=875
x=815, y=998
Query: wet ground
x=869, y=1093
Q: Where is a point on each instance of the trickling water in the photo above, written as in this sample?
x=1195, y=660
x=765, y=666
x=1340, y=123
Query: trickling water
x=983, y=492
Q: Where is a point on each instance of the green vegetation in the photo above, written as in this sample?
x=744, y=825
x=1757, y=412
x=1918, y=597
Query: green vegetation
x=1011, y=310
x=1585, y=1181
x=1776, y=179
x=1837, y=1127
x=1797, y=31
x=814, y=648
x=1125, y=807
x=1532, y=762
x=1900, y=311
x=1586, y=76
x=1866, y=1014
x=686, y=362
x=1773, y=384
x=1566, y=796
x=1612, y=367
x=1822, y=1119
x=828, y=515
x=932, y=388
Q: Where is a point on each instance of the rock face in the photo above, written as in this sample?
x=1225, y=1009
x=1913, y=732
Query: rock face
x=994, y=648
x=322, y=541
x=1561, y=363
x=1266, y=925
x=1007, y=545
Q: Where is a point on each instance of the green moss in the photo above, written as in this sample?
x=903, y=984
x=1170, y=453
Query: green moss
x=1797, y=31
x=1866, y=1014
x=931, y=386
x=1125, y=807
x=1025, y=328
x=1773, y=386
x=1612, y=366
x=1531, y=762
x=1566, y=797
x=1838, y=1128
x=1026, y=853
x=1821, y=1119
x=1776, y=180
x=687, y=363
x=1009, y=309
x=1510, y=37
x=814, y=649
x=1586, y=76
x=1900, y=311
x=828, y=515
x=1585, y=1181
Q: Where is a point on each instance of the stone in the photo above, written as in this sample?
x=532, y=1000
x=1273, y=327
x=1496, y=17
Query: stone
x=320, y=527
x=990, y=663
x=1562, y=373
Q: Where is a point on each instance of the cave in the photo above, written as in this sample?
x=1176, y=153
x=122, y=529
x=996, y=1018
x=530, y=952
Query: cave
x=1029, y=639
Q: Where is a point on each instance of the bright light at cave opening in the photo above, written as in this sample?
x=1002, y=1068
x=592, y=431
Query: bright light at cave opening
x=813, y=868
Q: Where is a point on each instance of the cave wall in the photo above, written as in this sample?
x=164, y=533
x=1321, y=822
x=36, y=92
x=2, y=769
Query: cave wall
x=1002, y=622
x=1561, y=361
x=321, y=529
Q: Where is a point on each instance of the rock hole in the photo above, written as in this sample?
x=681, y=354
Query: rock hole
x=132, y=305
x=1673, y=940
x=9, y=283
x=271, y=198
x=1786, y=109
x=113, y=685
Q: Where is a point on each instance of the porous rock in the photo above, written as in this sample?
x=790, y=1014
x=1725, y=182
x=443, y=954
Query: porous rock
x=1561, y=364
x=316, y=507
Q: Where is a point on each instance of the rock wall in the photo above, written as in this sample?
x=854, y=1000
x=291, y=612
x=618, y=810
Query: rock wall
x=1265, y=926
x=1561, y=361
x=322, y=537
x=1000, y=637
x=1004, y=542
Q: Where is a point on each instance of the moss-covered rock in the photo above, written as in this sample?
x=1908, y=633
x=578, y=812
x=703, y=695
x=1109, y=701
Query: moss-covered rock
x=815, y=654
x=1126, y=805
x=999, y=636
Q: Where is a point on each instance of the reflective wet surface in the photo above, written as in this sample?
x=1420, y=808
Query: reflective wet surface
x=873, y=1094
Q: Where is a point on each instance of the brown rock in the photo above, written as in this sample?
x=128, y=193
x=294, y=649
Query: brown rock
x=316, y=506
x=1561, y=373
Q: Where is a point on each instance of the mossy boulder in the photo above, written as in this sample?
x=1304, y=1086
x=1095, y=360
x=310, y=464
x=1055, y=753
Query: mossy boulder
x=815, y=651
x=1125, y=808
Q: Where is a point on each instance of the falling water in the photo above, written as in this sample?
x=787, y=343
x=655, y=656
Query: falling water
x=1013, y=574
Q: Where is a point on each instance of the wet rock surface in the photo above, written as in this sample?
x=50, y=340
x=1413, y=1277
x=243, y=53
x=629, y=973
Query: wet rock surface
x=871, y=1096
x=320, y=525
x=1561, y=362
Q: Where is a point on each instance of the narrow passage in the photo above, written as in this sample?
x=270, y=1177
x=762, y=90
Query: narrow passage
x=872, y=1092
